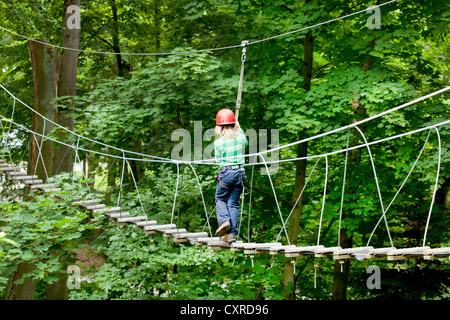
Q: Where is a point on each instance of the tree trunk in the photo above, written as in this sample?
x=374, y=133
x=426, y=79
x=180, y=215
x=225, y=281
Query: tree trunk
x=45, y=63
x=300, y=174
x=62, y=161
x=341, y=270
x=122, y=67
x=25, y=290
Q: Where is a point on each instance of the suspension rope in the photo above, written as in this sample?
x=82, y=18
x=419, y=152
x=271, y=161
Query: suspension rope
x=401, y=187
x=343, y=189
x=203, y=199
x=193, y=51
x=244, y=45
x=435, y=187
x=377, y=184
x=207, y=161
x=323, y=199
x=299, y=196
x=137, y=189
x=276, y=200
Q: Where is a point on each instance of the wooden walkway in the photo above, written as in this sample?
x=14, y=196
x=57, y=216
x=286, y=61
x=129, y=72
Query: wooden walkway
x=214, y=243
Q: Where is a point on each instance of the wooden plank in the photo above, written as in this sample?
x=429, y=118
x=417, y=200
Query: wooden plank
x=52, y=190
x=407, y=253
x=19, y=174
x=32, y=181
x=43, y=186
x=437, y=253
x=379, y=252
x=190, y=235
x=96, y=206
x=130, y=220
x=153, y=229
x=160, y=227
x=107, y=210
x=173, y=231
x=359, y=253
x=9, y=169
x=222, y=245
x=142, y=224
x=118, y=215
x=280, y=249
x=301, y=251
x=204, y=240
x=325, y=252
x=85, y=203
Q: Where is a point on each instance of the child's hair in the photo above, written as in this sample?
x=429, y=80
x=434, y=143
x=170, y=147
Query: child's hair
x=227, y=131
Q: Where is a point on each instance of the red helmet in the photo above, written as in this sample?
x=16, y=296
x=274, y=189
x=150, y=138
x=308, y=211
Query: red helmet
x=225, y=117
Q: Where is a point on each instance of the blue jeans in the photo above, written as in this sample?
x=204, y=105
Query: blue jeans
x=227, y=197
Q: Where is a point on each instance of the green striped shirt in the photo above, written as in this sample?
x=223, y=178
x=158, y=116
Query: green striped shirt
x=226, y=148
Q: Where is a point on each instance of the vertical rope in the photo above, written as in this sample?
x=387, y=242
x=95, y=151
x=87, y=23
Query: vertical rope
x=378, y=186
x=435, y=187
x=203, y=199
x=9, y=130
x=39, y=151
x=121, y=181
x=242, y=209
x=250, y=205
x=276, y=199
x=241, y=78
x=401, y=187
x=176, y=193
x=137, y=189
x=300, y=195
x=343, y=188
x=323, y=199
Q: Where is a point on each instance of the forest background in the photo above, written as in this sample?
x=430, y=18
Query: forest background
x=299, y=85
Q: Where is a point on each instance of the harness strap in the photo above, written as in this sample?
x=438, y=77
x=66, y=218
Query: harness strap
x=228, y=186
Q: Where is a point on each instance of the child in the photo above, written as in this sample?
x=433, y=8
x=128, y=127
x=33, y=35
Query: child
x=229, y=148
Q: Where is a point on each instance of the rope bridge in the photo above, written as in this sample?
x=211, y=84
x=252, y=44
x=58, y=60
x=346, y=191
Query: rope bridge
x=204, y=237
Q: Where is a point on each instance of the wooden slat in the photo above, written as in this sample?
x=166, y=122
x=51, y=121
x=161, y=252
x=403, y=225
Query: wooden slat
x=95, y=206
x=130, y=219
x=43, y=186
x=107, y=210
x=152, y=229
x=302, y=251
x=222, y=245
x=32, y=181
x=280, y=249
x=190, y=235
x=142, y=224
x=118, y=215
x=173, y=231
x=325, y=252
x=437, y=253
x=379, y=252
x=85, y=203
x=407, y=253
x=204, y=240
x=360, y=253
x=19, y=173
x=9, y=169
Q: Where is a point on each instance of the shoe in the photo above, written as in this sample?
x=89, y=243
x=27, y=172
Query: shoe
x=229, y=237
x=223, y=228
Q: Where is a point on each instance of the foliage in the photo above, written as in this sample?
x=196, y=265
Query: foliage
x=42, y=226
x=375, y=69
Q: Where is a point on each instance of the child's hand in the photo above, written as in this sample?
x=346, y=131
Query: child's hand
x=237, y=125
